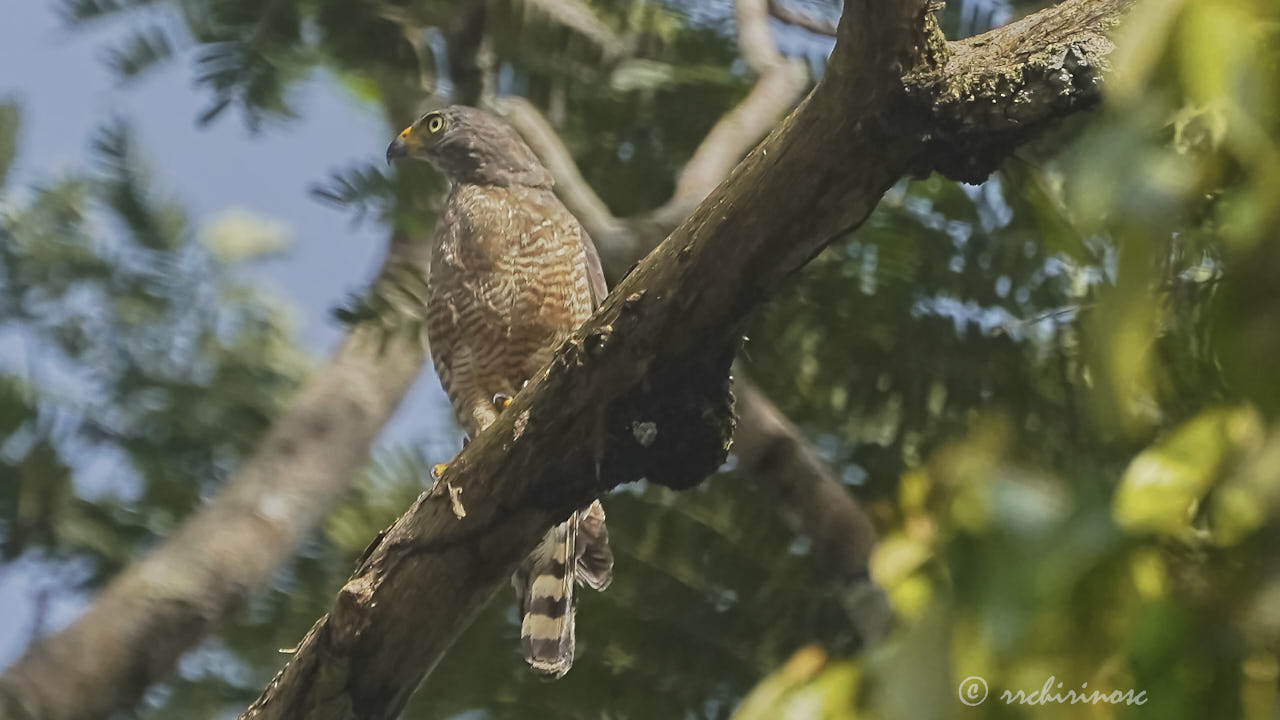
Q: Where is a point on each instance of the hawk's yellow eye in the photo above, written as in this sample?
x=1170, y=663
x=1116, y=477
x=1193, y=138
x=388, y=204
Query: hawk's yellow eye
x=435, y=124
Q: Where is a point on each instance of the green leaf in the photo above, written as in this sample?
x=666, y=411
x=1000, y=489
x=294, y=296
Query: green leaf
x=1162, y=488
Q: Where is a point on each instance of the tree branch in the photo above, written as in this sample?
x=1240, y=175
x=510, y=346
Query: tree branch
x=779, y=85
x=1010, y=84
x=768, y=445
x=579, y=17
x=785, y=13
x=656, y=351
x=786, y=468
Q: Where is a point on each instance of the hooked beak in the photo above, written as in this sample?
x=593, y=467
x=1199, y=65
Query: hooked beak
x=397, y=149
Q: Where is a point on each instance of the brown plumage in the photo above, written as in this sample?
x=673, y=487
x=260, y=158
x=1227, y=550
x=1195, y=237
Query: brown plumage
x=512, y=275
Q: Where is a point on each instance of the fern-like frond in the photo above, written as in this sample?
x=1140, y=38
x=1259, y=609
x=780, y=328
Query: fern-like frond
x=363, y=189
x=141, y=51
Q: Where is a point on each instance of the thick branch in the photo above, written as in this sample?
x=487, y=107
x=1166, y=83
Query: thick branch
x=767, y=444
x=1008, y=85
x=653, y=353
x=157, y=609
x=798, y=473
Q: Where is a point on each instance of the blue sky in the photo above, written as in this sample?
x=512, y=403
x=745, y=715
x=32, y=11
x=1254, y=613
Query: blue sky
x=65, y=92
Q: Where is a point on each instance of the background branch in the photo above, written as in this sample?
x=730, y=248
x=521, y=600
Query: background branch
x=580, y=18
x=780, y=83
x=163, y=604
x=791, y=16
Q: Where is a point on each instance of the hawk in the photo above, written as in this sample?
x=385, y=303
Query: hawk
x=512, y=274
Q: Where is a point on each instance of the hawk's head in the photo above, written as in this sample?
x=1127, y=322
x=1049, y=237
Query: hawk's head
x=470, y=146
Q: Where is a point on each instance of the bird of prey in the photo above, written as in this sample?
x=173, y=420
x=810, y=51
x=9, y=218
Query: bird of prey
x=512, y=274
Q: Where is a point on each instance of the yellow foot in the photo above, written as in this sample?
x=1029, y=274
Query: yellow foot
x=437, y=470
x=501, y=401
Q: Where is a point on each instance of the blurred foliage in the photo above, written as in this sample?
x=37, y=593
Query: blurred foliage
x=1051, y=390
x=141, y=361
x=1056, y=387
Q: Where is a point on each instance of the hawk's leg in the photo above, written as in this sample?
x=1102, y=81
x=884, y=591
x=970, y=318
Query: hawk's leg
x=485, y=416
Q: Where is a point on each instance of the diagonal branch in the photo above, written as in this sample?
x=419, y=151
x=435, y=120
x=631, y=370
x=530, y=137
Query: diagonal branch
x=809, y=496
x=768, y=445
x=579, y=17
x=788, y=470
x=780, y=83
x=657, y=351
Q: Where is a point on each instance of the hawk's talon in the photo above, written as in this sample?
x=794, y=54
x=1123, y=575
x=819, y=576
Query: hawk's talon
x=501, y=401
x=440, y=489
x=455, y=499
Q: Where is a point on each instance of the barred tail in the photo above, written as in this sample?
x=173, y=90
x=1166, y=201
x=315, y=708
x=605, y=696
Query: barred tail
x=545, y=585
x=575, y=550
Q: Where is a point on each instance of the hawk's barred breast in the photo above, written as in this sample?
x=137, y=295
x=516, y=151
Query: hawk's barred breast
x=509, y=282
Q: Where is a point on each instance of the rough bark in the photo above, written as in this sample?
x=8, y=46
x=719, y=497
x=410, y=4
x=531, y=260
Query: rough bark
x=658, y=350
x=797, y=476
x=769, y=446
x=999, y=89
